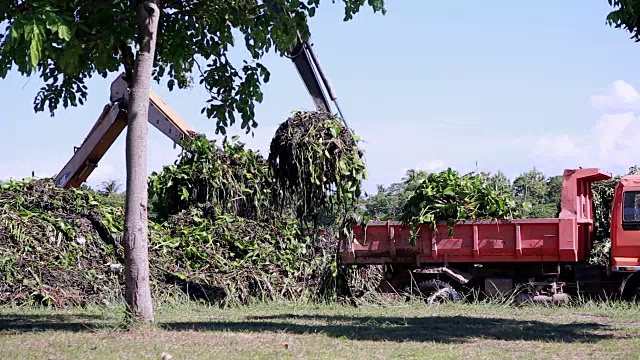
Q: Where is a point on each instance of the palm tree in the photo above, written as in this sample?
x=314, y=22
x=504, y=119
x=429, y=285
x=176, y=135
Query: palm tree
x=413, y=176
x=110, y=187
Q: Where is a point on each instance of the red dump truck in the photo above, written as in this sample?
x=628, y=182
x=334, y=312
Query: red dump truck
x=534, y=259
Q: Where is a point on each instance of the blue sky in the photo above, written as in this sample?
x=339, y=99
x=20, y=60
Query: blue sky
x=429, y=85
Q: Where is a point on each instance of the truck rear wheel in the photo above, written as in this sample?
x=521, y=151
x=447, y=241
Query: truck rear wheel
x=634, y=295
x=437, y=291
x=631, y=289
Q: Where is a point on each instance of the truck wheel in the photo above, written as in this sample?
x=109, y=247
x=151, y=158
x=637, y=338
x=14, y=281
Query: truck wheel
x=438, y=291
x=634, y=296
x=631, y=291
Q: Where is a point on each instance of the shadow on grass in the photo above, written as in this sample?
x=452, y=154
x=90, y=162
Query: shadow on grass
x=37, y=322
x=442, y=329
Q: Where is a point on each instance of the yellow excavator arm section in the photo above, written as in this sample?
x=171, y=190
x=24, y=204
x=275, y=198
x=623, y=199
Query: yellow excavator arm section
x=109, y=126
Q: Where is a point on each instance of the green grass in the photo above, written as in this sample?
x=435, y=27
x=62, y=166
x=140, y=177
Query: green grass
x=293, y=331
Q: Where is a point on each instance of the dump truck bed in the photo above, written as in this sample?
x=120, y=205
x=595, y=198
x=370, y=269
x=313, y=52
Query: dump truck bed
x=567, y=238
x=540, y=240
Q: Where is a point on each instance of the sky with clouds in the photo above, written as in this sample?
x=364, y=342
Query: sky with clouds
x=430, y=85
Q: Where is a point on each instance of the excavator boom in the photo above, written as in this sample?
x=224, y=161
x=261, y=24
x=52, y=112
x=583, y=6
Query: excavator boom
x=306, y=62
x=109, y=126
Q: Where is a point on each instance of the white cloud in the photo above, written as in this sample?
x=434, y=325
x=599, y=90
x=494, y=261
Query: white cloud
x=564, y=147
x=617, y=136
x=611, y=142
x=620, y=97
x=431, y=166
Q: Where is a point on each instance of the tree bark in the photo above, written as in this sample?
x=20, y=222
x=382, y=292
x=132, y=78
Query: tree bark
x=136, y=231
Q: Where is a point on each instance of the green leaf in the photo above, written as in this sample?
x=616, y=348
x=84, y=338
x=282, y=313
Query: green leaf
x=34, y=33
x=448, y=191
x=64, y=32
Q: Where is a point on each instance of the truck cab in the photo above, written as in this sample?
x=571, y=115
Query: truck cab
x=625, y=225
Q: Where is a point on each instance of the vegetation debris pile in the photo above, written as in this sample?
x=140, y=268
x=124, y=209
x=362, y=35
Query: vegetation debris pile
x=224, y=225
x=228, y=226
x=221, y=180
x=448, y=196
x=57, y=246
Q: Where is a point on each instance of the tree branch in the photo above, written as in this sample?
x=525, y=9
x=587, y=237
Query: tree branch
x=206, y=86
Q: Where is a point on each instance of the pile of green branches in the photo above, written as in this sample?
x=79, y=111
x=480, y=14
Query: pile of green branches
x=231, y=222
x=226, y=180
x=314, y=170
x=57, y=247
x=234, y=259
x=62, y=247
x=317, y=165
x=448, y=196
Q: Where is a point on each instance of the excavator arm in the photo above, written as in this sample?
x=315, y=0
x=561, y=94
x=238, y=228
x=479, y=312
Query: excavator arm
x=113, y=118
x=109, y=126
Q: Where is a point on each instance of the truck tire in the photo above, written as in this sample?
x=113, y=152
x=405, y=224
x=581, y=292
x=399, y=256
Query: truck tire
x=438, y=291
x=634, y=295
x=631, y=290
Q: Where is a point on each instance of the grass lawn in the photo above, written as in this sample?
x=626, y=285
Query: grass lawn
x=397, y=330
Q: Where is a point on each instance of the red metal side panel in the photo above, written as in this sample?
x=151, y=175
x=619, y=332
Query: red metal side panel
x=497, y=239
x=481, y=241
x=569, y=241
x=460, y=243
x=540, y=240
x=386, y=241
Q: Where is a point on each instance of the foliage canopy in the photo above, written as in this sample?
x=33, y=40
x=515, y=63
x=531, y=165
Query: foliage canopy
x=625, y=16
x=67, y=41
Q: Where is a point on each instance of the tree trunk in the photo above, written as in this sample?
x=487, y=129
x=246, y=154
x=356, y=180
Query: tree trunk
x=136, y=249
